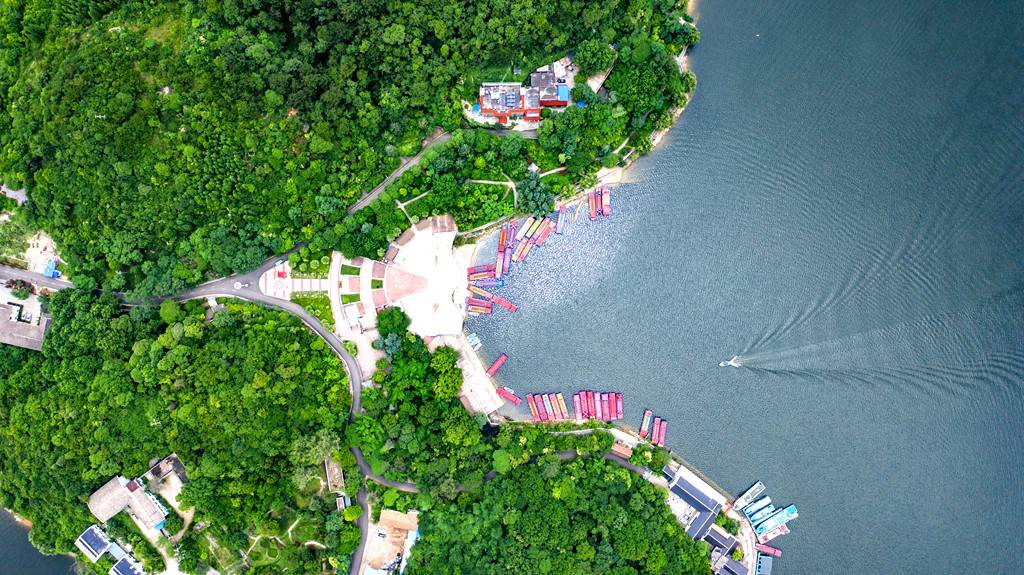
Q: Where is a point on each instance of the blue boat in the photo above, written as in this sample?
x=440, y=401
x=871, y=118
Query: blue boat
x=762, y=514
x=489, y=283
x=756, y=506
x=777, y=519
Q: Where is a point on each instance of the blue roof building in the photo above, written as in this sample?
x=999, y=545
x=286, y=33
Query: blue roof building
x=706, y=508
x=721, y=540
x=126, y=566
x=93, y=543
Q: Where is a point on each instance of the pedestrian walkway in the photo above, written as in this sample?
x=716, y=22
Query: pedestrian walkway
x=278, y=282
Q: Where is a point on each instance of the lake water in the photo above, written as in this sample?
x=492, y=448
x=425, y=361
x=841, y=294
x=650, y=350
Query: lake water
x=842, y=205
x=19, y=557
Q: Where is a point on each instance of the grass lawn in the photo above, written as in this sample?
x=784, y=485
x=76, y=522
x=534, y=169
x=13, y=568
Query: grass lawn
x=376, y=284
x=318, y=304
x=347, y=298
x=347, y=270
x=265, y=552
x=226, y=562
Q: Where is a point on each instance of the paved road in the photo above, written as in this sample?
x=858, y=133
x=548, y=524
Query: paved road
x=379, y=479
x=406, y=165
x=9, y=273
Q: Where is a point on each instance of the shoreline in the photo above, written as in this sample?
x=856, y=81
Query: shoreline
x=611, y=177
x=19, y=519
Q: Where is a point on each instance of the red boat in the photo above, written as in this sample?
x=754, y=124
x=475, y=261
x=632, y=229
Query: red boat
x=599, y=202
x=533, y=406
x=655, y=429
x=645, y=423
x=768, y=550
x=496, y=365
x=478, y=269
x=606, y=404
x=502, y=238
x=618, y=406
x=576, y=406
x=507, y=394
x=543, y=413
x=606, y=200
x=543, y=236
x=593, y=404
x=661, y=433
x=592, y=205
x=504, y=303
x=599, y=406
x=479, y=302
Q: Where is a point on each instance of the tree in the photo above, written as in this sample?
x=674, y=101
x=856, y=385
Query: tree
x=593, y=56
x=535, y=196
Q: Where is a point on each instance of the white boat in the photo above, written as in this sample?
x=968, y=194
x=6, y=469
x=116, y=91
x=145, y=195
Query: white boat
x=734, y=361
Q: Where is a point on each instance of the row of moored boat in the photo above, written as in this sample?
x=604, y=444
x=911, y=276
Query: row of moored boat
x=767, y=521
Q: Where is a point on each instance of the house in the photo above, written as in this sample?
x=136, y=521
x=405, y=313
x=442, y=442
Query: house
x=389, y=552
x=719, y=539
x=17, y=331
x=622, y=450
x=94, y=543
x=119, y=494
x=166, y=466
x=504, y=100
x=335, y=476
x=127, y=566
x=704, y=509
x=342, y=502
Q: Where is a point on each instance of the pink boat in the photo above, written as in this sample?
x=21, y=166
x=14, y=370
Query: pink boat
x=496, y=365
x=507, y=394
x=618, y=406
x=599, y=406
x=606, y=200
x=576, y=407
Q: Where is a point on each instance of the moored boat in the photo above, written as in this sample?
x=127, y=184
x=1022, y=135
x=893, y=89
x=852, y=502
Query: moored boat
x=562, y=406
x=768, y=550
x=618, y=406
x=533, y=406
x=526, y=226
x=508, y=394
x=576, y=407
x=762, y=514
x=756, y=506
x=592, y=205
x=560, y=219
x=776, y=520
x=661, y=433
x=655, y=429
x=645, y=423
x=599, y=406
x=497, y=365
x=549, y=408
x=606, y=406
x=606, y=200
x=778, y=531
x=748, y=496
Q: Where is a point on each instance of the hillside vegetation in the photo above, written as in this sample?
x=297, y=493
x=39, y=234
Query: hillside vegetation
x=163, y=143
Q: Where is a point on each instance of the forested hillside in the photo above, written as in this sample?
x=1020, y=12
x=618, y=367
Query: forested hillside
x=586, y=516
x=246, y=400
x=165, y=142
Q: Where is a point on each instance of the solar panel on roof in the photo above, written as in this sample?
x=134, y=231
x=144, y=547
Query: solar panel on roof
x=126, y=567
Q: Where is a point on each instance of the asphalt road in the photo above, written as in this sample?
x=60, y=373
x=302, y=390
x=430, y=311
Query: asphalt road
x=9, y=273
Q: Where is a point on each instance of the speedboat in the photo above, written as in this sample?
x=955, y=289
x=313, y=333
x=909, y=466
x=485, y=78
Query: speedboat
x=734, y=361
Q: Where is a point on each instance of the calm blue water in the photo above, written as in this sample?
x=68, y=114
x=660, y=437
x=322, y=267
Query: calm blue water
x=843, y=206
x=18, y=557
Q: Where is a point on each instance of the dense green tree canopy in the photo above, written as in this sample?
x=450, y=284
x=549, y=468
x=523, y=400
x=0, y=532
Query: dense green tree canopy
x=586, y=516
x=232, y=396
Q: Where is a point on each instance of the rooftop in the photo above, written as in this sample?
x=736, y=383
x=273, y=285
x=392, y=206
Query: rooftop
x=93, y=543
x=118, y=494
x=19, y=333
x=127, y=566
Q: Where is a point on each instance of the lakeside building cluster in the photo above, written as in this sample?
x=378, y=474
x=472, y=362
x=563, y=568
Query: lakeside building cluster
x=131, y=496
x=549, y=87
